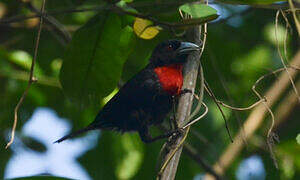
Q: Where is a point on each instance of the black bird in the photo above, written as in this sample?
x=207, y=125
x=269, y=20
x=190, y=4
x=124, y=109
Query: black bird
x=146, y=99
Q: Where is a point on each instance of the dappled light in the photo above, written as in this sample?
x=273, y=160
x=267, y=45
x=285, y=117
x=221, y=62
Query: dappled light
x=147, y=89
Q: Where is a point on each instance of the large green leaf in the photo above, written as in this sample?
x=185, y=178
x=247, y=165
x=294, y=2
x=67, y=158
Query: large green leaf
x=94, y=59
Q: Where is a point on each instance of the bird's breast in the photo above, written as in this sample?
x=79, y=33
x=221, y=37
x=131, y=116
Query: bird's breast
x=170, y=78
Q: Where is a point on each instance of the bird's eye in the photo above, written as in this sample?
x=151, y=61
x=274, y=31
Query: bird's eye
x=170, y=47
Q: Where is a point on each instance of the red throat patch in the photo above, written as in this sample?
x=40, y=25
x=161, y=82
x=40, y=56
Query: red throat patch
x=170, y=77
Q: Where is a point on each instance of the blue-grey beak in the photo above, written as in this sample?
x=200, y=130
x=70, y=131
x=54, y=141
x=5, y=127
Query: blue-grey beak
x=187, y=47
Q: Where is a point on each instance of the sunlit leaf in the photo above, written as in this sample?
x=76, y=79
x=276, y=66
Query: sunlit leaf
x=144, y=28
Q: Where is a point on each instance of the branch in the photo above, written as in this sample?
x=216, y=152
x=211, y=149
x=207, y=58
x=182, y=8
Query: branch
x=194, y=155
x=110, y=8
x=31, y=80
x=255, y=119
x=184, y=107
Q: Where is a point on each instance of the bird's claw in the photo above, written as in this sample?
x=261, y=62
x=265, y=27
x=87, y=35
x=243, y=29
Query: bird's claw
x=178, y=132
x=184, y=91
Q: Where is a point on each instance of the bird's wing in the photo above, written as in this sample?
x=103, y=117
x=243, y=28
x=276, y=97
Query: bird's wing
x=138, y=93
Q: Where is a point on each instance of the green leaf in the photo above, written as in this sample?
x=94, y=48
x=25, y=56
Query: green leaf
x=94, y=59
x=198, y=10
x=298, y=138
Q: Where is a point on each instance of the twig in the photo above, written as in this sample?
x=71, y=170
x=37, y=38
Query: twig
x=275, y=72
x=280, y=55
x=237, y=108
x=198, y=118
x=291, y=4
x=255, y=119
x=211, y=94
x=226, y=90
x=115, y=9
x=31, y=80
x=242, y=109
x=270, y=135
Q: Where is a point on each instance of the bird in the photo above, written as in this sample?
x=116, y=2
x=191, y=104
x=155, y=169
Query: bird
x=148, y=97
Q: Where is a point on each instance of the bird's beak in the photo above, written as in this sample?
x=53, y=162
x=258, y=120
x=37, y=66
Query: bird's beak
x=187, y=47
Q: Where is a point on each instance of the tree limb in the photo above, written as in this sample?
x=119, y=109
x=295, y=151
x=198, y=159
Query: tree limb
x=185, y=104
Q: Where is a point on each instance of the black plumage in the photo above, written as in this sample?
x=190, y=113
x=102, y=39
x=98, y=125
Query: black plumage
x=142, y=101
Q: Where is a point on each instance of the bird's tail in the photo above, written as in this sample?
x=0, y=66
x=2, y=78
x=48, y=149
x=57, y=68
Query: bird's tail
x=73, y=134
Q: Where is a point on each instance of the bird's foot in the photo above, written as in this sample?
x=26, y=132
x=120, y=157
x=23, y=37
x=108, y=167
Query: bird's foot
x=175, y=134
x=184, y=91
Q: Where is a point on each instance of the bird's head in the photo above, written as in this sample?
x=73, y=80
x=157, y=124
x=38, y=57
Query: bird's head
x=172, y=52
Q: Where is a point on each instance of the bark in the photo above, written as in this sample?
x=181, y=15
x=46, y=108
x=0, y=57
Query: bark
x=185, y=103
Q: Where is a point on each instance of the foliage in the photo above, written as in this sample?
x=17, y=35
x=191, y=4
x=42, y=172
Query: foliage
x=105, y=49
